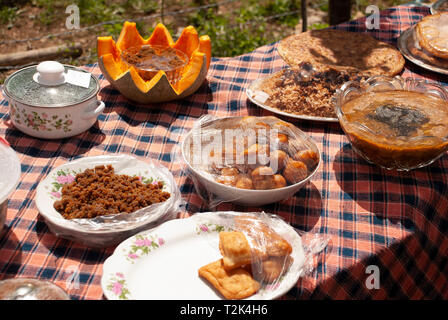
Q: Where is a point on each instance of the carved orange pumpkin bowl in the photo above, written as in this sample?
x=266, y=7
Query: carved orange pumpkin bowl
x=128, y=80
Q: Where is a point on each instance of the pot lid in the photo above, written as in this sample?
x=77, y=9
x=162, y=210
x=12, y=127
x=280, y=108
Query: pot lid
x=10, y=169
x=51, y=84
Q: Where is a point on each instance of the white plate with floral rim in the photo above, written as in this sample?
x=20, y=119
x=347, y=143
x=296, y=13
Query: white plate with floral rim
x=162, y=263
x=106, y=230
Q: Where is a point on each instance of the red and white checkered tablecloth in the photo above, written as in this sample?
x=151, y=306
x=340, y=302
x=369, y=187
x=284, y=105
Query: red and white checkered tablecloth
x=397, y=221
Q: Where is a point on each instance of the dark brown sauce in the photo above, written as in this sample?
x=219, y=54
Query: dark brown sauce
x=397, y=129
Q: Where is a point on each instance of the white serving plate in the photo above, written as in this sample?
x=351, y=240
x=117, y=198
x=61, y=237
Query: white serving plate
x=115, y=228
x=252, y=91
x=162, y=263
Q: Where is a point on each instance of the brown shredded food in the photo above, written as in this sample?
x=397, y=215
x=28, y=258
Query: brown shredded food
x=300, y=92
x=99, y=191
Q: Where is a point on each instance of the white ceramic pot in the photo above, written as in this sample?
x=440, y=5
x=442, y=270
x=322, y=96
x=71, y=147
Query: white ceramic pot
x=43, y=104
x=55, y=122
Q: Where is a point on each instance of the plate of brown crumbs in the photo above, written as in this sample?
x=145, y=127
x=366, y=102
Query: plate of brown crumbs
x=301, y=92
x=100, y=201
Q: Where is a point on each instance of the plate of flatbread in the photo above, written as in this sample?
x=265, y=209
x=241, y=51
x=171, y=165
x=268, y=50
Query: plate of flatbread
x=349, y=51
x=208, y=256
x=410, y=47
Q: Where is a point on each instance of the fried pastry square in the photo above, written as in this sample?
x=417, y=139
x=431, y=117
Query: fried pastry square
x=263, y=237
x=277, y=246
x=232, y=284
x=235, y=249
x=273, y=268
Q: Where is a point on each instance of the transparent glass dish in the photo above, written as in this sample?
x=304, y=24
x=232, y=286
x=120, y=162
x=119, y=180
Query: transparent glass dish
x=401, y=151
x=149, y=60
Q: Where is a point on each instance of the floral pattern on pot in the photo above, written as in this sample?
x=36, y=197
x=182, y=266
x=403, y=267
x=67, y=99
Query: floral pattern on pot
x=41, y=121
x=118, y=286
x=143, y=246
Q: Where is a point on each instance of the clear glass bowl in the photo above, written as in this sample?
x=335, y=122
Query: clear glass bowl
x=148, y=60
x=398, y=152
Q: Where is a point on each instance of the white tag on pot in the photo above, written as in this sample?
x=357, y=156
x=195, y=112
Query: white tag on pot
x=81, y=79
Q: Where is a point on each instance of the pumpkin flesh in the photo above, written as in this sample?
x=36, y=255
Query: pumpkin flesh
x=129, y=37
x=190, y=72
x=205, y=46
x=188, y=41
x=160, y=37
x=198, y=49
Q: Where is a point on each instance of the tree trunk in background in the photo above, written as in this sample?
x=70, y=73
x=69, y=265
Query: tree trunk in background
x=304, y=15
x=340, y=11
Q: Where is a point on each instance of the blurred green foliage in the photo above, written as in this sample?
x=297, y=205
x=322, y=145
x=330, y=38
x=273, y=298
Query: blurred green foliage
x=234, y=28
x=247, y=27
x=7, y=15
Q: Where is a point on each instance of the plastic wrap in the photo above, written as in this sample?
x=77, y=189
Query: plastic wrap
x=195, y=243
x=247, y=160
x=275, y=254
x=107, y=230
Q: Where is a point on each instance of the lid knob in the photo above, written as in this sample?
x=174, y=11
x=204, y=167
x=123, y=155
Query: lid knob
x=49, y=73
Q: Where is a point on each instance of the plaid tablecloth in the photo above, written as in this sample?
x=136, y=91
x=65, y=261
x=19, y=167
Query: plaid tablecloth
x=396, y=221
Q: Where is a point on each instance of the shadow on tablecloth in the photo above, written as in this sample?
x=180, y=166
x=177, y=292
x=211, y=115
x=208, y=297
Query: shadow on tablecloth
x=42, y=148
x=134, y=114
x=10, y=265
x=412, y=268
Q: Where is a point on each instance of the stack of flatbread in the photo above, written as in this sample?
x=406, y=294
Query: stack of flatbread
x=429, y=40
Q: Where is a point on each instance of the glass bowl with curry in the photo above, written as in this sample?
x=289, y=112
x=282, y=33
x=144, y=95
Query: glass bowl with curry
x=395, y=123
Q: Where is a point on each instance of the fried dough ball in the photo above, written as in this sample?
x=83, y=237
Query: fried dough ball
x=257, y=149
x=309, y=157
x=278, y=158
x=282, y=124
x=228, y=176
x=263, y=178
x=282, y=138
x=256, y=155
x=244, y=182
x=279, y=181
x=226, y=180
x=295, y=171
x=229, y=171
